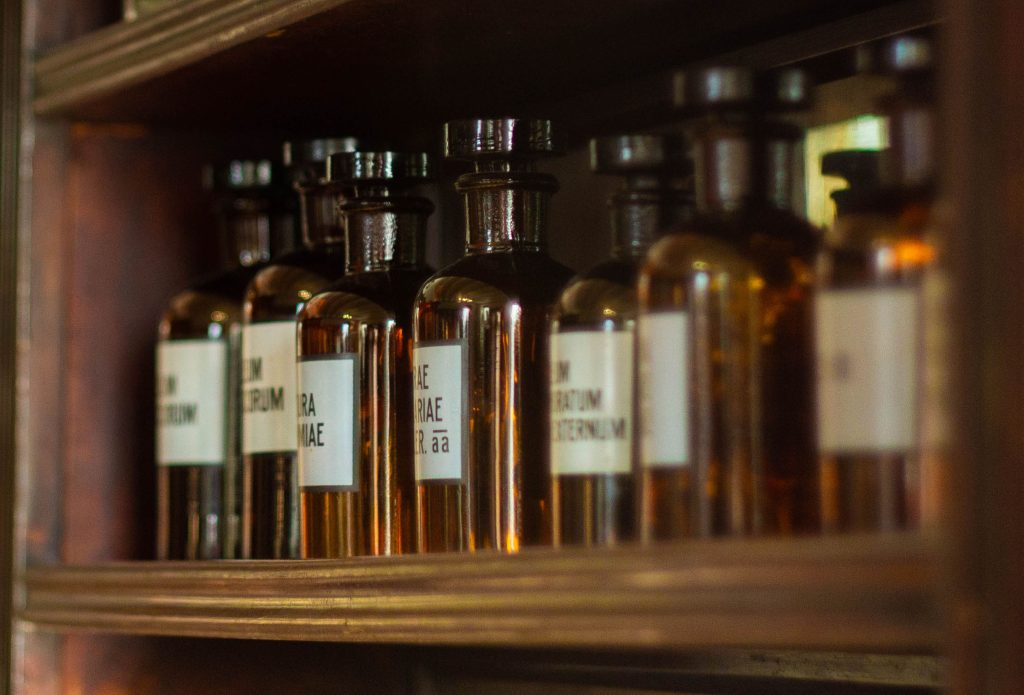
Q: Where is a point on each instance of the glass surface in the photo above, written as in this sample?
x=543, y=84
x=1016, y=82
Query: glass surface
x=498, y=303
x=368, y=314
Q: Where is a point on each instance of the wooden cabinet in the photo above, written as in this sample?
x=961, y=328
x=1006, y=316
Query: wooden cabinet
x=104, y=129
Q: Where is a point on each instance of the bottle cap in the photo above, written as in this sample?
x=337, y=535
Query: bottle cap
x=716, y=87
x=500, y=138
x=307, y=159
x=861, y=171
x=635, y=153
x=786, y=90
x=905, y=55
x=241, y=174
x=351, y=167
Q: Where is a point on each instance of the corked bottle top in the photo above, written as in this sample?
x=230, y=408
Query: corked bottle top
x=714, y=88
x=379, y=167
x=501, y=138
x=905, y=55
x=307, y=159
x=629, y=155
x=786, y=90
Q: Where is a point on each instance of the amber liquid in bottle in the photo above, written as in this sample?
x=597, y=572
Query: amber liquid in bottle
x=593, y=367
x=367, y=316
x=490, y=311
x=198, y=418
x=698, y=357
x=273, y=300
x=783, y=247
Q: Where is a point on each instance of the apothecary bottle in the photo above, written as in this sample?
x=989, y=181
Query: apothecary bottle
x=783, y=247
x=869, y=325
x=269, y=405
x=592, y=346
x=480, y=350
x=697, y=331
x=355, y=366
x=197, y=357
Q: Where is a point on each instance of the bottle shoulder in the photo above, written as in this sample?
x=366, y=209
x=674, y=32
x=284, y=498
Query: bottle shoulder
x=690, y=250
x=280, y=289
x=367, y=296
x=606, y=292
x=199, y=313
x=495, y=278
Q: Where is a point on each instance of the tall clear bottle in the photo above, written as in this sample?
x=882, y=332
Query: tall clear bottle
x=783, y=246
x=697, y=333
x=592, y=346
x=480, y=351
x=273, y=299
x=870, y=332
x=355, y=366
x=197, y=358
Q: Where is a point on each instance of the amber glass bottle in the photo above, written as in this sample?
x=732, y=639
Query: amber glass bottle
x=783, y=246
x=355, y=367
x=697, y=330
x=592, y=345
x=273, y=299
x=869, y=320
x=197, y=359
x=480, y=351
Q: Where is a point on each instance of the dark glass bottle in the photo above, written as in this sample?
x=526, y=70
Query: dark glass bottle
x=870, y=332
x=783, y=246
x=480, y=351
x=697, y=334
x=355, y=367
x=273, y=299
x=197, y=358
x=592, y=345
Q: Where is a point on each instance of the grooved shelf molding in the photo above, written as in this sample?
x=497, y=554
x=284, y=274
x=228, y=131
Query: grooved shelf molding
x=857, y=593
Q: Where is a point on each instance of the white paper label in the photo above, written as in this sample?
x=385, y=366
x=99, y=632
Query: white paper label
x=591, y=402
x=867, y=343
x=664, y=388
x=439, y=394
x=268, y=387
x=328, y=422
x=191, y=402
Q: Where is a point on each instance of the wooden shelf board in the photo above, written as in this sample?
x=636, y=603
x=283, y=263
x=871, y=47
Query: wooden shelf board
x=375, y=65
x=873, y=594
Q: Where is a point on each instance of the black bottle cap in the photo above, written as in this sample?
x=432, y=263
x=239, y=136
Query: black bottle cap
x=625, y=155
x=501, y=138
x=714, y=88
x=399, y=167
x=307, y=159
x=861, y=171
x=786, y=90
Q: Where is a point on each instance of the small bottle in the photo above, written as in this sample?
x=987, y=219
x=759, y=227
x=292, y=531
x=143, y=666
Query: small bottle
x=355, y=366
x=592, y=344
x=783, y=247
x=860, y=170
x=480, y=351
x=197, y=358
x=869, y=319
x=273, y=299
x=697, y=334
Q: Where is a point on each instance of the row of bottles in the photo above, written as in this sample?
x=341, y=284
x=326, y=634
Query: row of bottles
x=726, y=372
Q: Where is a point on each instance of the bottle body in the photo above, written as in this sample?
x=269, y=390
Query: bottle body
x=481, y=383
x=366, y=317
x=869, y=344
x=592, y=407
x=199, y=419
x=274, y=298
x=699, y=377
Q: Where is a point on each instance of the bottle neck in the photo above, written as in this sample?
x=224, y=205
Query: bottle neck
x=385, y=232
x=321, y=224
x=910, y=160
x=723, y=168
x=247, y=224
x=506, y=209
x=779, y=166
x=640, y=216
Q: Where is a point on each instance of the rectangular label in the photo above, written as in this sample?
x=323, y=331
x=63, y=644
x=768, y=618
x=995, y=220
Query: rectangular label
x=268, y=387
x=664, y=389
x=439, y=397
x=191, y=402
x=591, y=402
x=328, y=422
x=867, y=343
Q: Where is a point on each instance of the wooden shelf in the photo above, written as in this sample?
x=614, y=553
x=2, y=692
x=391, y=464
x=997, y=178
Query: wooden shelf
x=375, y=65
x=871, y=594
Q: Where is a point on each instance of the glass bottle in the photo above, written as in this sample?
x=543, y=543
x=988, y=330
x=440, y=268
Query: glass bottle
x=355, y=366
x=197, y=358
x=869, y=319
x=273, y=299
x=783, y=246
x=592, y=344
x=480, y=351
x=697, y=334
